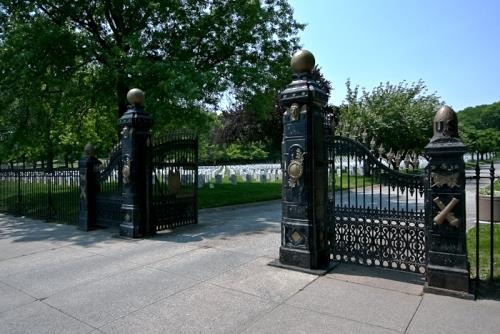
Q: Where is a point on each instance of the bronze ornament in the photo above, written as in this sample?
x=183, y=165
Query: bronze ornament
x=295, y=167
x=445, y=214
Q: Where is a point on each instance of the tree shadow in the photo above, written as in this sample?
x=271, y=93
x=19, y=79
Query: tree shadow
x=221, y=223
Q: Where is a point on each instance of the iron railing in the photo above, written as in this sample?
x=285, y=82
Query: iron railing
x=485, y=265
x=40, y=194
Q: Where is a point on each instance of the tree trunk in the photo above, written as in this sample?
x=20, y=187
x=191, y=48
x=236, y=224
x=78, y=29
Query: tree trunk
x=121, y=94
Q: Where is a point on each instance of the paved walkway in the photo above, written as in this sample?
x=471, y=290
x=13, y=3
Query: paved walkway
x=208, y=278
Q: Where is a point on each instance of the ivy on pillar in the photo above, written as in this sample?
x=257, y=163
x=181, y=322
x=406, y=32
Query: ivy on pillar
x=304, y=244
x=135, y=127
x=88, y=167
x=448, y=267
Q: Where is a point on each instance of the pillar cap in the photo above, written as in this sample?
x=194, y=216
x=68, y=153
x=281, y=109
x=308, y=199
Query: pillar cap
x=135, y=97
x=445, y=124
x=88, y=150
x=302, y=61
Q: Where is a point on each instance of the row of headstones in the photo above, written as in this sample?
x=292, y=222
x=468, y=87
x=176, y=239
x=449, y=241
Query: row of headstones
x=248, y=173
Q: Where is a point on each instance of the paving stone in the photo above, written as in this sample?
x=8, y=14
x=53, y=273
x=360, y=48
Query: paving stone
x=440, y=314
x=203, y=263
x=145, y=252
x=104, y=300
x=260, y=279
x=13, y=249
x=287, y=319
x=380, y=307
x=204, y=308
x=51, y=279
x=379, y=278
x=40, y=260
x=257, y=244
x=39, y=318
x=12, y=298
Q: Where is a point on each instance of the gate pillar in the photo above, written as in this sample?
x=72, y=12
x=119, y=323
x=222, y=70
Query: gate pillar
x=88, y=166
x=448, y=267
x=304, y=239
x=135, y=127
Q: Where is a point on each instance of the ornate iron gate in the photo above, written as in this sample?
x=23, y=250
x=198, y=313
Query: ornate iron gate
x=174, y=173
x=376, y=214
x=109, y=195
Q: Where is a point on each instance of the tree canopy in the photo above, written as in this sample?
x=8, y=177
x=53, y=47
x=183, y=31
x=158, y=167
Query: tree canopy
x=479, y=127
x=399, y=116
x=68, y=64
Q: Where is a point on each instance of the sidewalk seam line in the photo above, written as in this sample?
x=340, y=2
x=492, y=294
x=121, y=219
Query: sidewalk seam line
x=413, y=316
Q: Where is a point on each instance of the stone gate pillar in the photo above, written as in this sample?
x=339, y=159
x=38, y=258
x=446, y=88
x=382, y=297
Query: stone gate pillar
x=448, y=267
x=304, y=244
x=135, y=127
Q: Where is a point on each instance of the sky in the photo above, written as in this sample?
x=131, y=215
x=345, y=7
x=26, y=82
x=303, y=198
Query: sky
x=452, y=45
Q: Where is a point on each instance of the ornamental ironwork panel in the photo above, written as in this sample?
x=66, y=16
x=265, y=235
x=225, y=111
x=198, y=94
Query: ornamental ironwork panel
x=109, y=196
x=174, y=189
x=376, y=214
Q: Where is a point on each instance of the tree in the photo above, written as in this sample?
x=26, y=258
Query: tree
x=244, y=123
x=184, y=54
x=397, y=116
x=480, y=127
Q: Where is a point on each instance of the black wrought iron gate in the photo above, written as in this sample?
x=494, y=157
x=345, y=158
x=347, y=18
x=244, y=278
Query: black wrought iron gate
x=174, y=180
x=109, y=190
x=376, y=214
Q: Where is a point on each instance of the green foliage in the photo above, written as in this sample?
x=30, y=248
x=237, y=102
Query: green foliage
x=399, y=116
x=480, y=127
x=68, y=64
x=486, y=116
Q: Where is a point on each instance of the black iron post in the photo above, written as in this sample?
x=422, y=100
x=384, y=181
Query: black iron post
x=88, y=166
x=135, y=127
x=448, y=267
x=304, y=239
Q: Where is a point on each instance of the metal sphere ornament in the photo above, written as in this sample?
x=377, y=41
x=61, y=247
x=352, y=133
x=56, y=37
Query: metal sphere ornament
x=303, y=61
x=135, y=97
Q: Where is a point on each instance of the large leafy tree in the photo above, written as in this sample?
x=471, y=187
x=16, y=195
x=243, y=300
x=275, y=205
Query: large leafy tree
x=184, y=53
x=479, y=127
x=247, y=125
x=397, y=116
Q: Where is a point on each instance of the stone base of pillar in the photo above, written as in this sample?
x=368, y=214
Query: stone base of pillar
x=129, y=231
x=304, y=261
x=448, y=281
x=83, y=225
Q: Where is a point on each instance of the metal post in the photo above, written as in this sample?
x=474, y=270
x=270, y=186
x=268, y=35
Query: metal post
x=492, y=219
x=87, y=166
x=448, y=267
x=304, y=238
x=135, y=127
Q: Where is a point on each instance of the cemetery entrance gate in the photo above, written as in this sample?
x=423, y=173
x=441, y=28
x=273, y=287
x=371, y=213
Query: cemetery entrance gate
x=368, y=213
x=376, y=214
x=148, y=184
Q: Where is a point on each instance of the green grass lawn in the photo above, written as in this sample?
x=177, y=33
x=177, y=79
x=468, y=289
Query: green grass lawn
x=65, y=200
x=484, y=251
x=227, y=194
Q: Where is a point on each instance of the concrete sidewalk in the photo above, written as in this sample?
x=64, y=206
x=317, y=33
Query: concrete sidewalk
x=209, y=278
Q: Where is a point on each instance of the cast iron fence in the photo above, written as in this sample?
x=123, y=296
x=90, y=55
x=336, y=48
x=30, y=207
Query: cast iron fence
x=40, y=194
x=484, y=237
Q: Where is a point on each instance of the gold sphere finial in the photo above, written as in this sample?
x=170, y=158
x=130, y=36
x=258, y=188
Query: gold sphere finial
x=303, y=61
x=135, y=97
